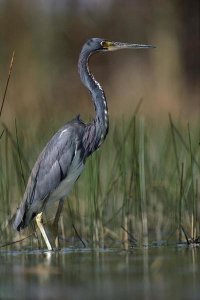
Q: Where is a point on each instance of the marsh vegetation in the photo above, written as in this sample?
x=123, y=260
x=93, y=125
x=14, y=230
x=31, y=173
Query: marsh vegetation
x=141, y=187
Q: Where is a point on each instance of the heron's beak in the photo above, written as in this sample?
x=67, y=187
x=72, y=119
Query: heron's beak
x=111, y=46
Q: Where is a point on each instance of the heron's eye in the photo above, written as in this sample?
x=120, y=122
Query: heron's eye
x=104, y=44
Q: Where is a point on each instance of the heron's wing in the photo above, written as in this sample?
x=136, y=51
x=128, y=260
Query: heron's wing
x=50, y=169
x=53, y=164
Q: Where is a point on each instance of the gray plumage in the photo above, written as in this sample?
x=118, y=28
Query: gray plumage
x=54, y=164
x=62, y=160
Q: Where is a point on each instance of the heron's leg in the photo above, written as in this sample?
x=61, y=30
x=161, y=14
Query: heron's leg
x=56, y=221
x=41, y=227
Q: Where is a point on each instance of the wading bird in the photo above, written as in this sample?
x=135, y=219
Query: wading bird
x=62, y=160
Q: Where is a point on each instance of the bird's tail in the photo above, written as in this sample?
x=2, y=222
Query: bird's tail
x=18, y=220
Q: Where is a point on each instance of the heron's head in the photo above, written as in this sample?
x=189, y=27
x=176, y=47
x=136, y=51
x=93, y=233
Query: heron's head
x=97, y=44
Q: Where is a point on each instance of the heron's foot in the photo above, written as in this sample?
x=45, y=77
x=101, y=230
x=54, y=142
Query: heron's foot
x=39, y=222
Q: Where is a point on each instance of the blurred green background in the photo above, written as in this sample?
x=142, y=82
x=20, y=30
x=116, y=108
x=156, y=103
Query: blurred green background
x=47, y=37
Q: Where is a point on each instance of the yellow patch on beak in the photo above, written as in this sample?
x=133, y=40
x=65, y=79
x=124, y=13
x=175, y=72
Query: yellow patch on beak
x=107, y=45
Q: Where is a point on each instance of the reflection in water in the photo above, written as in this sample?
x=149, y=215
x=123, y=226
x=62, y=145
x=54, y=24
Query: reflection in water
x=146, y=274
x=149, y=273
x=195, y=266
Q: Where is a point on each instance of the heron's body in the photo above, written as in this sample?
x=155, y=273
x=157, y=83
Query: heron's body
x=62, y=160
x=54, y=173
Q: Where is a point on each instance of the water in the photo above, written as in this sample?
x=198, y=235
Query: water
x=153, y=273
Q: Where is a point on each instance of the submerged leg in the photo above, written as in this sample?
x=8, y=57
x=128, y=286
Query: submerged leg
x=41, y=227
x=56, y=220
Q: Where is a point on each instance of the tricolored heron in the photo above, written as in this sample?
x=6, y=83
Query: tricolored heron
x=62, y=160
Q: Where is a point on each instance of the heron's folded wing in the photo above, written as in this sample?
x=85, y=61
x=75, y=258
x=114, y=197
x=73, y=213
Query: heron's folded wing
x=52, y=166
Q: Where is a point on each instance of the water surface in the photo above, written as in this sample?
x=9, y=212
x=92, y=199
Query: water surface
x=153, y=273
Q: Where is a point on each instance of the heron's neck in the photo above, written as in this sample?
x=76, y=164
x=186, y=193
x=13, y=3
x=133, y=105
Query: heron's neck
x=98, y=128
